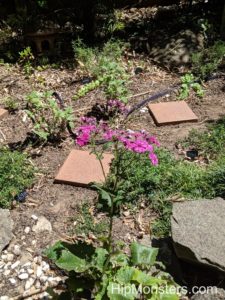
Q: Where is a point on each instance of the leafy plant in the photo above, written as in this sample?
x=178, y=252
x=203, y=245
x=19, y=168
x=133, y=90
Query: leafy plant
x=208, y=60
x=26, y=57
x=105, y=66
x=86, y=223
x=49, y=121
x=188, y=83
x=10, y=103
x=16, y=174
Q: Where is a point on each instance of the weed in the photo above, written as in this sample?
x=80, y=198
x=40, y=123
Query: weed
x=86, y=222
x=26, y=57
x=188, y=83
x=105, y=66
x=16, y=174
x=10, y=103
x=211, y=142
x=208, y=60
x=49, y=121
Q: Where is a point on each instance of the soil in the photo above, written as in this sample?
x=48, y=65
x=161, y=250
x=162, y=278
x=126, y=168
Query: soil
x=58, y=202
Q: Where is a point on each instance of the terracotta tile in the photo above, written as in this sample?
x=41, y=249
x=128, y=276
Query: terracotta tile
x=3, y=113
x=172, y=112
x=82, y=168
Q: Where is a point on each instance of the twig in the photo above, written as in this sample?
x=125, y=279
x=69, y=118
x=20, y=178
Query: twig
x=140, y=94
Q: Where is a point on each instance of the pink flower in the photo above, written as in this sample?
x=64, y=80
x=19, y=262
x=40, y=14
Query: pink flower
x=153, y=158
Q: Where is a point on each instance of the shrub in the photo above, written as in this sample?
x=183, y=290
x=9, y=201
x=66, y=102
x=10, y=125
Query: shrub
x=208, y=60
x=49, y=121
x=16, y=174
x=105, y=66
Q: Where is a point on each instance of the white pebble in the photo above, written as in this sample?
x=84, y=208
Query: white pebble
x=22, y=271
x=23, y=276
x=10, y=257
x=29, y=283
x=2, y=264
x=58, y=278
x=34, y=242
x=15, y=265
x=7, y=265
x=26, y=264
x=27, y=230
x=12, y=281
x=37, y=284
x=43, y=278
x=34, y=217
x=23, y=237
x=17, y=250
x=4, y=298
x=4, y=257
x=39, y=271
x=6, y=273
x=30, y=271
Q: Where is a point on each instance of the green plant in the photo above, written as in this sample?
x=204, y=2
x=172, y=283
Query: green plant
x=16, y=174
x=25, y=59
x=10, y=103
x=85, y=222
x=208, y=60
x=189, y=82
x=106, y=66
x=49, y=121
x=211, y=142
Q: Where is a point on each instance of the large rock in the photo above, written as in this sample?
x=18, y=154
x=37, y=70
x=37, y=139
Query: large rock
x=42, y=225
x=6, y=226
x=198, y=232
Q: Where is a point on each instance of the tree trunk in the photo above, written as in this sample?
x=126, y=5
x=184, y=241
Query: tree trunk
x=222, y=28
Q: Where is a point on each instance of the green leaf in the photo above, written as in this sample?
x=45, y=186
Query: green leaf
x=119, y=259
x=143, y=255
x=53, y=252
x=117, y=291
x=125, y=275
x=104, y=195
x=71, y=262
x=146, y=279
x=99, y=258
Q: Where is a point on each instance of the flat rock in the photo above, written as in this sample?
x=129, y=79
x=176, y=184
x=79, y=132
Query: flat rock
x=82, y=168
x=6, y=226
x=172, y=112
x=3, y=113
x=198, y=232
x=42, y=225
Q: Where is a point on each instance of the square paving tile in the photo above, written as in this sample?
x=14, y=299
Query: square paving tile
x=172, y=112
x=81, y=168
x=3, y=113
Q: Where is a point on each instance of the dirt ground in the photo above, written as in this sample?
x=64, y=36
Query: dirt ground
x=58, y=202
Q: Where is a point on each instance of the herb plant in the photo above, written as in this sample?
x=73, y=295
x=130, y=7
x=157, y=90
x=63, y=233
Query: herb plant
x=25, y=59
x=189, y=83
x=16, y=174
x=49, y=121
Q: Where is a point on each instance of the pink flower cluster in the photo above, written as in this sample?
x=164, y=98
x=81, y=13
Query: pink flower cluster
x=135, y=141
x=117, y=105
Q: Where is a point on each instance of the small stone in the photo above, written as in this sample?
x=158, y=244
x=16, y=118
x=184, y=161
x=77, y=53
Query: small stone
x=37, y=284
x=6, y=226
x=34, y=217
x=23, y=276
x=29, y=283
x=12, y=281
x=16, y=250
x=10, y=257
x=30, y=271
x=27, y=230
x=39, y=271
x=4, y=298
x=58, y=278
x=4, y=257
x=2, y=264
x=34, y=242
x=45, y=267
x=23, y=237
x=7, y=272
x=7, y=265
x=15, y=265
x=21, y=271
x=26, y=264
x=43, y=278
x=42, y=225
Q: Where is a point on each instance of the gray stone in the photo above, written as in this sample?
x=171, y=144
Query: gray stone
x=6, y=226
x=213, y=293
x=42, y=225
x=198, y=232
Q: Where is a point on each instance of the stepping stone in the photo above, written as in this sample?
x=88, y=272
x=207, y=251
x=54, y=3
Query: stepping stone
x=3, y=113
x=172, y=113
x=82, y=168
